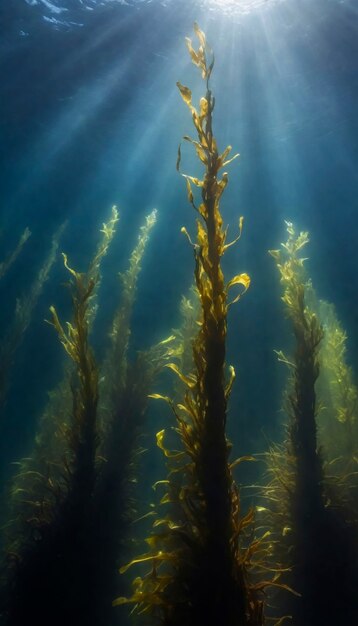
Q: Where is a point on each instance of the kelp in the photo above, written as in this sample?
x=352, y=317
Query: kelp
x=339, y=419
x=126, y=383
x=25, y=306
x=190, y=312
x=310, y=535
x=199, y=562
x=115, y=362
x=50, y=445
x=75, y=340
x=301, y=403
x=52, y=496
x=8, y=344
x=116, y=497
x=11, y=258
x=73, y=498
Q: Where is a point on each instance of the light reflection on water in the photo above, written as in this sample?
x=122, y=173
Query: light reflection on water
x=237, y=7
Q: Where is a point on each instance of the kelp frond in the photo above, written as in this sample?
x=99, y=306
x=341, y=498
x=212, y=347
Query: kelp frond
x=300, y=402
x=25, y=306
x=308, y=332
x=310, y=533
x=82, y=434
x=115, y=363
x=52, y=532
x=107, y=231
x=76, y=435
x=199, y=560
x=338, y=421
x=340, y=418
x=190, y=316
x=5, y=265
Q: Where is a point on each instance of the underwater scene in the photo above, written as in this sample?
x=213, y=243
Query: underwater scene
x=179, y=321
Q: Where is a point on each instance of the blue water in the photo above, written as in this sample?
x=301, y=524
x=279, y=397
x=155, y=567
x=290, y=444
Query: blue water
x=90, y=116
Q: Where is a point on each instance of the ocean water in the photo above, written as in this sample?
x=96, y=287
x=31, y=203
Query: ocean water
x=91, y=117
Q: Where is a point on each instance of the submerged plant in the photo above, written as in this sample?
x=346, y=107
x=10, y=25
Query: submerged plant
x=25, y=306
x=72, y=500
x=339, y=420
x=51, y=556
x=11, y=258
x=199, y=557
x=312, y=537
x=124, y=391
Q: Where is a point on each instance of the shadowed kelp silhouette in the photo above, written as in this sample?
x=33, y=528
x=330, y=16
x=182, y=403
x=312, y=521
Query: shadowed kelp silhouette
x=51, y=556
x=11, y=258
x=10, y=341
x=70, y=505
x=124, y=395
x=25, y=306
x=313, y=535
x=200, y=557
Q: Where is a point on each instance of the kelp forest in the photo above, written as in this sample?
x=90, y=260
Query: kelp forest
x=82, y=543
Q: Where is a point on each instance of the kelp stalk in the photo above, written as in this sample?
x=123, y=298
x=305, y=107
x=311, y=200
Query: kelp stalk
x=321, y=544
x=54, y=559
x=207, y=394
x=199, y=571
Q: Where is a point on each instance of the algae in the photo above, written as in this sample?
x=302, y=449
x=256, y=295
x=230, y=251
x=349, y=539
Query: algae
x=24, y=309
x=313, y=536
x=72, y=500
x=203, y=548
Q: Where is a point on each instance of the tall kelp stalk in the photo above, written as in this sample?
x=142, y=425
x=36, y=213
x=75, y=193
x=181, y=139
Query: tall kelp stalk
x=319, y=544
x=52, y=577
x=78, y=483
x=124, y=395
x=199, y=567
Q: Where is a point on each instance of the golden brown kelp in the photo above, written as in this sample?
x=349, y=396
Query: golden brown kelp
x=124, y=395
x=29, y=484
x=301, y=403
x=115, y=363
x=319, y=544
x=185, y=335
x=95, y=449
x=54, y=559
x=116, y=505
x=199, y=567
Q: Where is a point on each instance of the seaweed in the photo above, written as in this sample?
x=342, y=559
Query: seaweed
x=200, y=553
x=339, y=420
x=73, y=499
x=124, y=390
x=11, y=258
x=53, y=560
x=312, y=536
x=25, y=306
